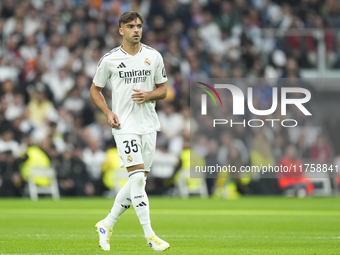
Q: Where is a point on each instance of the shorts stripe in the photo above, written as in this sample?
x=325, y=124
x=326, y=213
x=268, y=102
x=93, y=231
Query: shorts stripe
x=136, y=171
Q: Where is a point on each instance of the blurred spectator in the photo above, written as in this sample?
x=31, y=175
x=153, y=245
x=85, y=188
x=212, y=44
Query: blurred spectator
x=320, y=30
x=72, y=175
x=227, y=17
x=320, y=151
x=15, y=106
x=111, y=166
x=331, y=11
x=275, y=67
x=54, y=54
x=7, y=91
x=291, y=69
x=34, y=157
x=176, y=144
x=74, y=103
x=211, y=160
x=262, y=92
x=8, y=144
x=60, y=84
x=294, y=179
x=94, y=157
x=261, y=154
x=8, y=70
x=209, y=31
x=303, y=149
x=278, y=147
x=295, y=42
x=11, y=183
x=171, y=121
x=228, y=142
x=39, y=106
x=163, y=170
x=98, y=130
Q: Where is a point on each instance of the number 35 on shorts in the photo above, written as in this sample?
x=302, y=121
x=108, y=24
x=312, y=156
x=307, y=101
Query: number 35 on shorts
x=134, y=149
x=130, y=145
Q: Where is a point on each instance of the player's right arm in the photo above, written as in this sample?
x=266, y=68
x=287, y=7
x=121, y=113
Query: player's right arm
x=99, y=81
x=99, y=100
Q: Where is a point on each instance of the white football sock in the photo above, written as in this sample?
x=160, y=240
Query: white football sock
x=147, y=230
x=121, y=204
x=140, y=200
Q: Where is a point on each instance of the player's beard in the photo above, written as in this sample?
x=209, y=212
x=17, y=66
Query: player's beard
x=133, y=41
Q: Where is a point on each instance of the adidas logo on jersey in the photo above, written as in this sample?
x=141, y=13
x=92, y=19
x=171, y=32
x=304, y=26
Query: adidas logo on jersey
x=141, y=204
x=122, y=65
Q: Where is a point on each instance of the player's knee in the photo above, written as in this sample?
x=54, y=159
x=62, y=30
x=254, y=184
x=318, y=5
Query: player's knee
x=137, y=178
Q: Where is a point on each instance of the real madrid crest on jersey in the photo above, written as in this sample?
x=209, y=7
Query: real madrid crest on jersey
x=147, y=62
x=129, y=159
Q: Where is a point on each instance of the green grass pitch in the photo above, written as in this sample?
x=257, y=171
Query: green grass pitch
x=249, y=225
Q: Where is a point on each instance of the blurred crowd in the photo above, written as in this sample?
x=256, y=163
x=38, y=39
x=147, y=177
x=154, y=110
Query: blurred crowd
x=50, y=50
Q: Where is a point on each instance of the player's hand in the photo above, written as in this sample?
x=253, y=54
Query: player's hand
x=140, y=96
x=112, y=119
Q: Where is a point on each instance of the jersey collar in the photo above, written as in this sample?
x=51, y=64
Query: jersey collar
x=141, y=47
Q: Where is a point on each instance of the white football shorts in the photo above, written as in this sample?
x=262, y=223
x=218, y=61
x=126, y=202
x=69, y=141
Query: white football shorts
x=136, y=149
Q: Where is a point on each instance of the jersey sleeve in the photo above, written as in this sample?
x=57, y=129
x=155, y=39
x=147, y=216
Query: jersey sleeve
x=160, y=75
x=102, y=74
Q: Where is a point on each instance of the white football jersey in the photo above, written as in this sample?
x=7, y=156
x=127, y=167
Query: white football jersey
x=126, y=72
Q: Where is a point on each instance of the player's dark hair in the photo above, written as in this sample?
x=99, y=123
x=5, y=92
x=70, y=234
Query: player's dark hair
x=129, y=16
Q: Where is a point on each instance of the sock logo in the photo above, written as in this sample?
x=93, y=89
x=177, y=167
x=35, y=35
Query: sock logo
x=140, y=196
x=125, y=206
x=141, y=204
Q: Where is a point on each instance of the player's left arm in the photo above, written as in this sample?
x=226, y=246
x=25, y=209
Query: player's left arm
x=158, y=93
